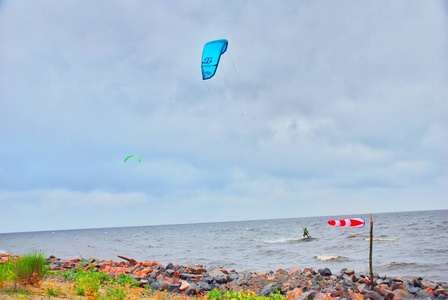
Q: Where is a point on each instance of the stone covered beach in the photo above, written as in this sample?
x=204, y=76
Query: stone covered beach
x=309, y=283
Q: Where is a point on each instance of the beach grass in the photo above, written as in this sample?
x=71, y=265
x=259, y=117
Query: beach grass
x=29, y=269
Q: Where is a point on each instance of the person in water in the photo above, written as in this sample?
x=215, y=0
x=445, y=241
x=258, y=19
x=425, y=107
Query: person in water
x=305, y=232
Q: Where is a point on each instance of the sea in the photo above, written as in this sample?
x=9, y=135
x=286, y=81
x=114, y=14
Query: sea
x=405, y=244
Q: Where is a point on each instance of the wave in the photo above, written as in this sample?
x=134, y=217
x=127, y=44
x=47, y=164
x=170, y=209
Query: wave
x=252, y=229
x=400, y=264
x=325, y=257
x=284, y=240
x=382, y=240
x=352, y=236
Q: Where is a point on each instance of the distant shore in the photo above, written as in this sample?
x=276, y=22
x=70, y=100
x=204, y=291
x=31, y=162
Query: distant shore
x=308, y=283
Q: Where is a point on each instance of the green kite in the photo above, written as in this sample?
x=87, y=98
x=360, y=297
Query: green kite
x=135, y=155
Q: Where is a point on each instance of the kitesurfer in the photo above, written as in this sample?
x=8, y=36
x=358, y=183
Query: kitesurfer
x=305, y=232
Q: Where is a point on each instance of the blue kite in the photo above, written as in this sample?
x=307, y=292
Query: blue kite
x=210, y=57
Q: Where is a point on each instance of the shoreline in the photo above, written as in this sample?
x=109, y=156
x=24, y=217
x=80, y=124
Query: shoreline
x=309, y=283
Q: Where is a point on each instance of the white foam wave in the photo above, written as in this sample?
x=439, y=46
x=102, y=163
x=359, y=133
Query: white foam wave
x=325, y=257
x=280, y=240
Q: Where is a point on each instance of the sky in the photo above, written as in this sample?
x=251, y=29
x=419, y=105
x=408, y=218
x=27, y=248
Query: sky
x=317, y=108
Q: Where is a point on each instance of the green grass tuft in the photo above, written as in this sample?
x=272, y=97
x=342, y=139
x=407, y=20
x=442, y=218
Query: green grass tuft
x=30, y=268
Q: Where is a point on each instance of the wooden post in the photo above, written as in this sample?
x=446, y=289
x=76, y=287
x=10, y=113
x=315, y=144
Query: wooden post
x=370, y=253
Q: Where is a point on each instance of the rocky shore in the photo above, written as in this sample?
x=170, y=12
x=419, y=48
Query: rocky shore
x=294, y=283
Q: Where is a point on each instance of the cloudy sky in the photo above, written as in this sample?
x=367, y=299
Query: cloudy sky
x=317, y=108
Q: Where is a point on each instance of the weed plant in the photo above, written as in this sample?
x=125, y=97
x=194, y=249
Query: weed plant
x=88, y=283
x=52, y=288
x=6, y=272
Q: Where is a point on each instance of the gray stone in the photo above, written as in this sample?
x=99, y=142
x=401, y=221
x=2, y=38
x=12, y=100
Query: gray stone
x=423, y=294
x=153, y=275
x=240, y=282
x=416, y=282
x=154, y=285
x=429, y=284
x=311, y=295
x=193, y=288
x=413, y=289
x=173, y=287
x=169, y=266
x=348, y=282
x=268, y=289
x=325, y=272
x=374, y=295
x=349, y=272
x=219, y=276
x=361, y=287
x=204, y=286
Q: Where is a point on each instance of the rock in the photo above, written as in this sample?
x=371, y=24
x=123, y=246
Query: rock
x=193, y=289
x=282, y=272
x=362, y=287
x=413, y=289
x=428, y=284
x=55, y=266
x=441, y=291
x=364, y=280
x=374, y=295
x=389, y=296
x=240, y=282
x=347, y=282
x=268, y=289
x=423, y=294
x=309, y=295
x=338, y=293
x=169, y=266
x=349, y=272
x=400, y=294
x=416, y=281
x=325, y=272
x=173, y=287
x=204, y=286
x=198, y=270
x=184, y=285
x=292, y=271
x=215, y=273
x=154, y=285
x=219, y=276
x=380, y=290
x=294, y=294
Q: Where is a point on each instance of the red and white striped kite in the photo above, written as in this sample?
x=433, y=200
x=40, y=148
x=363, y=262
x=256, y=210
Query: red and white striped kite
x=355, y=222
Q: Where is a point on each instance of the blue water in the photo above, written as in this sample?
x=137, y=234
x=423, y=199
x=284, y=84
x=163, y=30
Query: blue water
x=409, y=244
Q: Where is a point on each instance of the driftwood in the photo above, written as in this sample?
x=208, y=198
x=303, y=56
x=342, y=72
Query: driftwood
x=130, y=260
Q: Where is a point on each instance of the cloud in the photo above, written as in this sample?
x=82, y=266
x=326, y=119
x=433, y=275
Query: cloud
x=313, y=101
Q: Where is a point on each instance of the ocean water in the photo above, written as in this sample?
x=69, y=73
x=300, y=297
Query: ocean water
x=405, y=244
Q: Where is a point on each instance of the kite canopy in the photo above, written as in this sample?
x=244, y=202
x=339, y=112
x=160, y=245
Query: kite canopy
x=354, y=222
x=210, y=57
x=133, y=155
